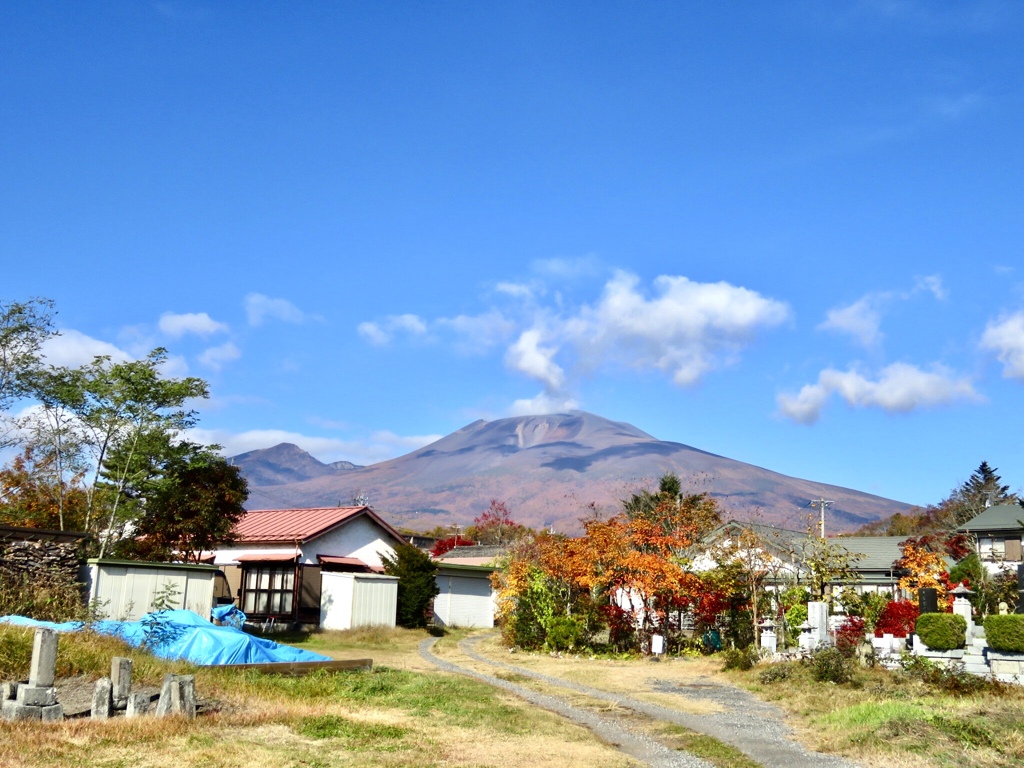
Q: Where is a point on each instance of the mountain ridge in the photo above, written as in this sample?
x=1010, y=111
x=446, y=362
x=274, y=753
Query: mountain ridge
x=551, y=470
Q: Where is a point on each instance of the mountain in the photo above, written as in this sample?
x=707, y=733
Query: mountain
x=550, y=470
x=283, y=464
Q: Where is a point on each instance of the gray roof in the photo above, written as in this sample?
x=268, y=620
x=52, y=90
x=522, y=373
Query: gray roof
x=1001, y=517
x=782, y=541
x=475, y=550
x=878, y=552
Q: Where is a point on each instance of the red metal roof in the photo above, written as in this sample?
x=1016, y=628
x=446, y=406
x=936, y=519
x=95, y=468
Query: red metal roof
x=282, y=557
x=301, y=525
x=336, y=560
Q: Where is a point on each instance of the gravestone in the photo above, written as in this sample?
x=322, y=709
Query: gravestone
x=121, y=680
x=817, y=617
x=37, y=699
x=177, y=696
x=102, y=699
x=138, y=705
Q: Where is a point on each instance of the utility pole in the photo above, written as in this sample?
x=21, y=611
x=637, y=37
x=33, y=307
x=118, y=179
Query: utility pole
x=822, y=504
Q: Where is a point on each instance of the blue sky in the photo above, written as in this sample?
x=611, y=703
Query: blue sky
x=789, y=233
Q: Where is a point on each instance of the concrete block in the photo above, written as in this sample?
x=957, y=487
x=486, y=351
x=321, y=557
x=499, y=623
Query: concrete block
x=163, y=705
x=44, y=658
x=8, y=691
x=1001, y=667
x=31, y=696
x=102, y=699
x=12, y=710
x=977, y=669
x=121, y=679
x=138, y=704
x=183, y=697
x=52, y=714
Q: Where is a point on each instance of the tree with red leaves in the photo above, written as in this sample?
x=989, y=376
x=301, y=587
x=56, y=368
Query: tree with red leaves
x=447, y=545
x=495, y=526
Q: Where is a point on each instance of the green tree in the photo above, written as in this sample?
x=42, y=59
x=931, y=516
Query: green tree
x=417, y=584
x=130, y=412
x=826, y=561
x=193, y=507
x=24, y=326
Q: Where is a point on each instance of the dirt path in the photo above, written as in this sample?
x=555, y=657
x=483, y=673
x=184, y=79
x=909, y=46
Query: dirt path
x=637, y=745
x=752, y=726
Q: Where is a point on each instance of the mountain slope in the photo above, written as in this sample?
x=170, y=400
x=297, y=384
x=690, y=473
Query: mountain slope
x=550, y=469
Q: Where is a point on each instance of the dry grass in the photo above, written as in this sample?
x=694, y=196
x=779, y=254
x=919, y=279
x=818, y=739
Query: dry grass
x=891, y=720
x=398, y=717
x=634, y=677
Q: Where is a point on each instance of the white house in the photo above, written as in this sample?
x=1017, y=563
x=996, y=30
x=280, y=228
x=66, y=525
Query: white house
x=274, y=568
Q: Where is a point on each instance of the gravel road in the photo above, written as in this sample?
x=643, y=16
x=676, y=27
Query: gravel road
x=752, y=726
x=637, y=745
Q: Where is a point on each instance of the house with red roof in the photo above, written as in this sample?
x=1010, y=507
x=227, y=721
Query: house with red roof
x=274, y=567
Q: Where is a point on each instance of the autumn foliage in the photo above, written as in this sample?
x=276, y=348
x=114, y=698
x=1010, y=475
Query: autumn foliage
x=627, y=573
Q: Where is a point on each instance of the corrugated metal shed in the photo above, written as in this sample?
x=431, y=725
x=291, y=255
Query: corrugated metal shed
x=350, y=600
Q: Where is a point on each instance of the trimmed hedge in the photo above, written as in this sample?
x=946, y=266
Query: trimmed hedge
x=942, y=631
x=1005, y=633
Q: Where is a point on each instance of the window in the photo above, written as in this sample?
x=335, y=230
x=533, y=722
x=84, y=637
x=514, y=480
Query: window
x=269, y=589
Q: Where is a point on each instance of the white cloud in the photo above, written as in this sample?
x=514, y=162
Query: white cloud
x=383, y=332
x=515, y=290
x=862, y=320
x=686, y=330
x=567, y=267
x=259, y=307
x=899, y=388
x=378, y=446
x=528, y=356
x=478, y=333
x=199, y=323
x=541, y=404
x=1005, y=337
x=216, y=357
x=932, y=284
x=73, y=348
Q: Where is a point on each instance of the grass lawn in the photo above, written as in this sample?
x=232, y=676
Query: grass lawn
x=403, y=714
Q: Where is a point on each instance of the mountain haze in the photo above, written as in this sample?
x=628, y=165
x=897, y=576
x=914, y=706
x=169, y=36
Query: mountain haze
x=548, y=469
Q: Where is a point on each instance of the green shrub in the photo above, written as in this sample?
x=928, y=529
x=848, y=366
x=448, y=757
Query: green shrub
x=564, y=632
x=951, y=679
x=776, y=673
x=742, y=660
x=1005, y=633
x=942, y=631
x=829, y=665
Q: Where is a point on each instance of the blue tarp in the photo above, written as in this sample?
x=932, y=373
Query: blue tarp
x=187, y=635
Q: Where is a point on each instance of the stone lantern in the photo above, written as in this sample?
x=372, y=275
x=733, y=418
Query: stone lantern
x=769, y=640
x=962, y=606
x=807, y=640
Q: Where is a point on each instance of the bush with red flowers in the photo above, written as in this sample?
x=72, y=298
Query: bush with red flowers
x=849, y=635
x=897, y=618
